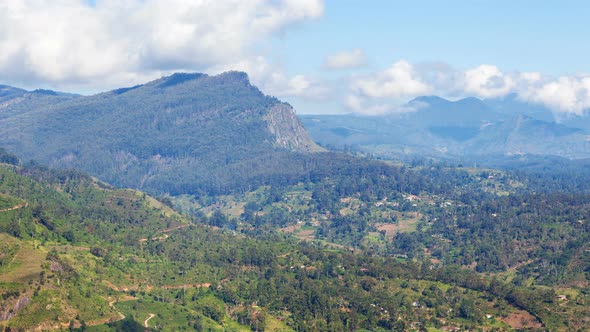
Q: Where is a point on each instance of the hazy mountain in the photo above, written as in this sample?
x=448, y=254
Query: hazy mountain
x=436, y=111
x=8, y=92
x=177, y=134
x=511, y=105
x=436, y=127
x=14, y=101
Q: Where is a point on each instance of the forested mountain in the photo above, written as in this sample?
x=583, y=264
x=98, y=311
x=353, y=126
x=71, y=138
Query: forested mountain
x=180, y=134
x=469, y=128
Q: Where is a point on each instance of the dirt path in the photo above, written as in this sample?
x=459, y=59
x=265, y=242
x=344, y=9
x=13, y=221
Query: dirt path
x=146, y=321
x=113, y=301
x=165, y=231
x=159, y=238
x=206, y=285
x=16, y=207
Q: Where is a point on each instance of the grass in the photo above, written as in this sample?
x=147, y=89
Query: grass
x=173, y=317
x=308, y=228
x=25, y=265
x=275, y=325
x=168, y=316
x=404, y=224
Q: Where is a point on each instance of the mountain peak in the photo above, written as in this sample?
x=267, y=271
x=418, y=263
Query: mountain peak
x=45, y=92
x=7, y=91
x=470, y=100
x=178, y=78
x=472, y=103
x=431, y=100
x=235, y=76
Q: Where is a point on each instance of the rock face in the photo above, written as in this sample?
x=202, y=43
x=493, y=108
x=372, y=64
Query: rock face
x=288, y=131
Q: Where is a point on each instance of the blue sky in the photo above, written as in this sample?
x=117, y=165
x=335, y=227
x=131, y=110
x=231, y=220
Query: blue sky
x=548, y=36
x=333, y=56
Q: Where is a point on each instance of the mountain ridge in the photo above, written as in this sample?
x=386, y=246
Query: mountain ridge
x=180, y=131
x=443, y=129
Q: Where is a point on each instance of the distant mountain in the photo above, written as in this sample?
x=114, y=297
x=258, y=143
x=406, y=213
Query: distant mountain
x=436, y=111
x=182, y=133
x=511, y=105
x=470, y=127
x=8, y=92
x=14, y=101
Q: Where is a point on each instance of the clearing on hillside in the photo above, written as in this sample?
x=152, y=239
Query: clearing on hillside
x=25, y=263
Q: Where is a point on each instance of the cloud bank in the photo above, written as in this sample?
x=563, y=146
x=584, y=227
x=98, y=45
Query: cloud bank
x=72, y=43
x=388, y=90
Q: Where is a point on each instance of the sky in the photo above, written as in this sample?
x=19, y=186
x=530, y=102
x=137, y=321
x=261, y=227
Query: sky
x=333, y=56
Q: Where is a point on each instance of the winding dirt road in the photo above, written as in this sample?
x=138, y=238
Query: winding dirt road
x=146, y=321
x=16, y=207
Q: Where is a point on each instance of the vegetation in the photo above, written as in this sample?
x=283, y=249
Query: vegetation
x=90, y=257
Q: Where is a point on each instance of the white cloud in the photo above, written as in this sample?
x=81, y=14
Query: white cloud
x=531, y=77
x=67, y=42
x=71, y=45
x=384, y=91
x=346, y=60
x=487, y=81
x=271, y=79
x=398, y=81
x=569, y=95
x=389, y=90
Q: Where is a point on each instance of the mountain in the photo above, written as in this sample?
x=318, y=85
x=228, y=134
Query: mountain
x=15, y=101
x=522, y=135
x=511, y=105
x=436, y=111
x=468, y=128
x=8, y=92
x=181, y=134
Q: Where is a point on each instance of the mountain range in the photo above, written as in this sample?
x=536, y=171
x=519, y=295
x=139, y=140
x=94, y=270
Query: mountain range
x=467, y=128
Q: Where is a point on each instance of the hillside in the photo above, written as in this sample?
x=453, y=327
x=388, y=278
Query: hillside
x=463, y=130
x=79, y=254
x=180, y=134
x=274, y=235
